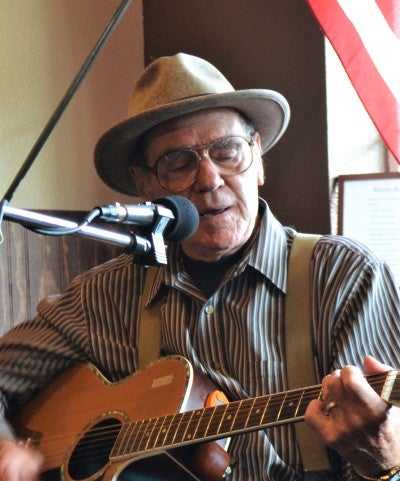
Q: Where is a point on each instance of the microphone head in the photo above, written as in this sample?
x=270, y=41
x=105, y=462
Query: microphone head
x=186, y=217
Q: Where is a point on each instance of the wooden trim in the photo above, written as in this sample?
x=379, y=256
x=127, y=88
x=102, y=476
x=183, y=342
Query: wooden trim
x=33, y=266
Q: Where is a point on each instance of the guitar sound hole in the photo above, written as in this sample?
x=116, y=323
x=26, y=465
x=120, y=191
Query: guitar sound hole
x=92, y=452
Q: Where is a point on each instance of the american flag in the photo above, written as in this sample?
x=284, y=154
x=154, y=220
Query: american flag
x=366, y=37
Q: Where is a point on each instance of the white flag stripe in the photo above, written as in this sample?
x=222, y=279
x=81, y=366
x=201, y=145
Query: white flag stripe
x=378, y=38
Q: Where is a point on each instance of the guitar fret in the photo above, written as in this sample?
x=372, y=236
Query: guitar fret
x=248, y=406
x=154, y=436
x=290, y=406
x=203, y=424
x=249, y=415
x=236, y=419
x=300, y=406
x=217, y=415
x=265, y=410
x=193, y=425
x=304, y=401
x=222, y=415
x=281, y=409
x=182, y=427
x=258, y=411
x=120, y=440
x=137, y=429
x=123, y=439
x=144, y=434
x=173, y=433
x=159, y=441
x=170, y=431
x=228, y=419
x=166, y=426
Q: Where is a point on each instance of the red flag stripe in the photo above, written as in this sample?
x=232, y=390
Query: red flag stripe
x=391, y=11
x=377, y=88
x=378, y=38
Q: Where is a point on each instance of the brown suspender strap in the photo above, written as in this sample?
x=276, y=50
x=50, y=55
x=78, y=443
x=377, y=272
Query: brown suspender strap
x=299, y=353
x=149, y=344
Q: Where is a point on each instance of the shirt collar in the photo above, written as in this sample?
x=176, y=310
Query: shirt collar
x=267, y=253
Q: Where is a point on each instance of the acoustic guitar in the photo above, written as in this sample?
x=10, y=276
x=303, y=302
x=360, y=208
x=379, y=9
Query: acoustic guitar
x=164, y=423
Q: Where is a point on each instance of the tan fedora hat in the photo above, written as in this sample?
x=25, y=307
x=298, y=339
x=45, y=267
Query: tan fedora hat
x=174, y=86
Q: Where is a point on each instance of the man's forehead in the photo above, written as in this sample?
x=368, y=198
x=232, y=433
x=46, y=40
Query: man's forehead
x=196, y=123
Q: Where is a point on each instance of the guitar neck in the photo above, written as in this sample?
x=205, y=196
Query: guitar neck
x=229, y=419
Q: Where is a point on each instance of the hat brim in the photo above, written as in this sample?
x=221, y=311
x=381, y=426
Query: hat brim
x=267, y=110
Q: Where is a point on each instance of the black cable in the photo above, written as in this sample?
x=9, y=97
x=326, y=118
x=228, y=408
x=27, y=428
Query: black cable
x=56, y=231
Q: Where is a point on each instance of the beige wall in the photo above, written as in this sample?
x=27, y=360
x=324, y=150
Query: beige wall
x=43, y=44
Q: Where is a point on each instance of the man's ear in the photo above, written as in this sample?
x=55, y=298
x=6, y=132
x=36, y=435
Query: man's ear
x=258, y=158
x=138, y=178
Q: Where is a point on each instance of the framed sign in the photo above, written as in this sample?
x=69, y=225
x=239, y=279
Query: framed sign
x=369, y=211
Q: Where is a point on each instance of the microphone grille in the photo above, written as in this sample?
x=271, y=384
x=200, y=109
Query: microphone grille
x=186, y=217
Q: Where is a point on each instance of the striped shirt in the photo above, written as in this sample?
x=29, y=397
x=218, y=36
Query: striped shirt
x=236, y=337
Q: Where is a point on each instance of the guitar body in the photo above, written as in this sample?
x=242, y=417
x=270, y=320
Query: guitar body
x=159, y=424
x=76, y=420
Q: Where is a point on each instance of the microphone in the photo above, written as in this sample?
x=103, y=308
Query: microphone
x=175, y=216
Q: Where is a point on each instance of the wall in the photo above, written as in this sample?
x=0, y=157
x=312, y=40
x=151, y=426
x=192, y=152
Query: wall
x=262, y=44
x=44, y=44
x=258, y=43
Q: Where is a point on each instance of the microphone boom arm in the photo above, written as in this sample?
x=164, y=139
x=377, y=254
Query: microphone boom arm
x=131, y=242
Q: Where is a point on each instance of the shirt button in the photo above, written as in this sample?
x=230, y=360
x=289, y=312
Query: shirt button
x=209, y=309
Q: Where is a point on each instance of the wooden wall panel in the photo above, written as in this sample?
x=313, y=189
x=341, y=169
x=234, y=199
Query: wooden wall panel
x=33, y=266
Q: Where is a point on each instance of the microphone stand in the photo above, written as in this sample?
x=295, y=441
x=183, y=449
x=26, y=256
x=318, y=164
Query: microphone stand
x=152, y=250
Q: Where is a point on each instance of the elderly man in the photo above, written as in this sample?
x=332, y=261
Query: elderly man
x=223, y=291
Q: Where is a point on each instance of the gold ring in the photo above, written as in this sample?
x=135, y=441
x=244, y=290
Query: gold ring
x=329, y=407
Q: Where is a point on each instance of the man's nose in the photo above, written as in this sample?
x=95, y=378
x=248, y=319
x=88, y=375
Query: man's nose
x=207, y=175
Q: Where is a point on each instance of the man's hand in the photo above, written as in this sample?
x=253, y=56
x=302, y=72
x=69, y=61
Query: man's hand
x=355, y=421
x=18, y=462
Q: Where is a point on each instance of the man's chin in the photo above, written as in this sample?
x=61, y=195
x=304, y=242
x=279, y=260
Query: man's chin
x=209, y=248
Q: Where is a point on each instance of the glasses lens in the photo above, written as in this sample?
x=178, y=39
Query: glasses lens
x=177, y=170
x=230, y=155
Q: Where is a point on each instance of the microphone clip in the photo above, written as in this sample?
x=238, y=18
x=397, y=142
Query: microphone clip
x=157, y=255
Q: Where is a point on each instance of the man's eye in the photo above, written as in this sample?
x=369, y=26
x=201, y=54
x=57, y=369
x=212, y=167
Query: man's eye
x=224, y=153
x=178, y=162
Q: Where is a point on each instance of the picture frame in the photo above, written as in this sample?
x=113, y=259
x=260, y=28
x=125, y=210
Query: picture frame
x=369, y=211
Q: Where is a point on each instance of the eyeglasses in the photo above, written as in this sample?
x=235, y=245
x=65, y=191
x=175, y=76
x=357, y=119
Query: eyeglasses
x=178, y=169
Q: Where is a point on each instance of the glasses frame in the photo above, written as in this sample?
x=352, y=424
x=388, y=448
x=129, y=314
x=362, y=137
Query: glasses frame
x=205, y=148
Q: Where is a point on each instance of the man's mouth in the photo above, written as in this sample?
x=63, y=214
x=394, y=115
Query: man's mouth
x=213, y=212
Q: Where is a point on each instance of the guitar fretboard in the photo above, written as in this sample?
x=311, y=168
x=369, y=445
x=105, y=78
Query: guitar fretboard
x=226, y=420
x=212, y=423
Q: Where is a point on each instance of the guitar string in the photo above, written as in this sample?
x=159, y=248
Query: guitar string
x=176, y=419
x=92, y=437
x=170, y=417
x=272, y=405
